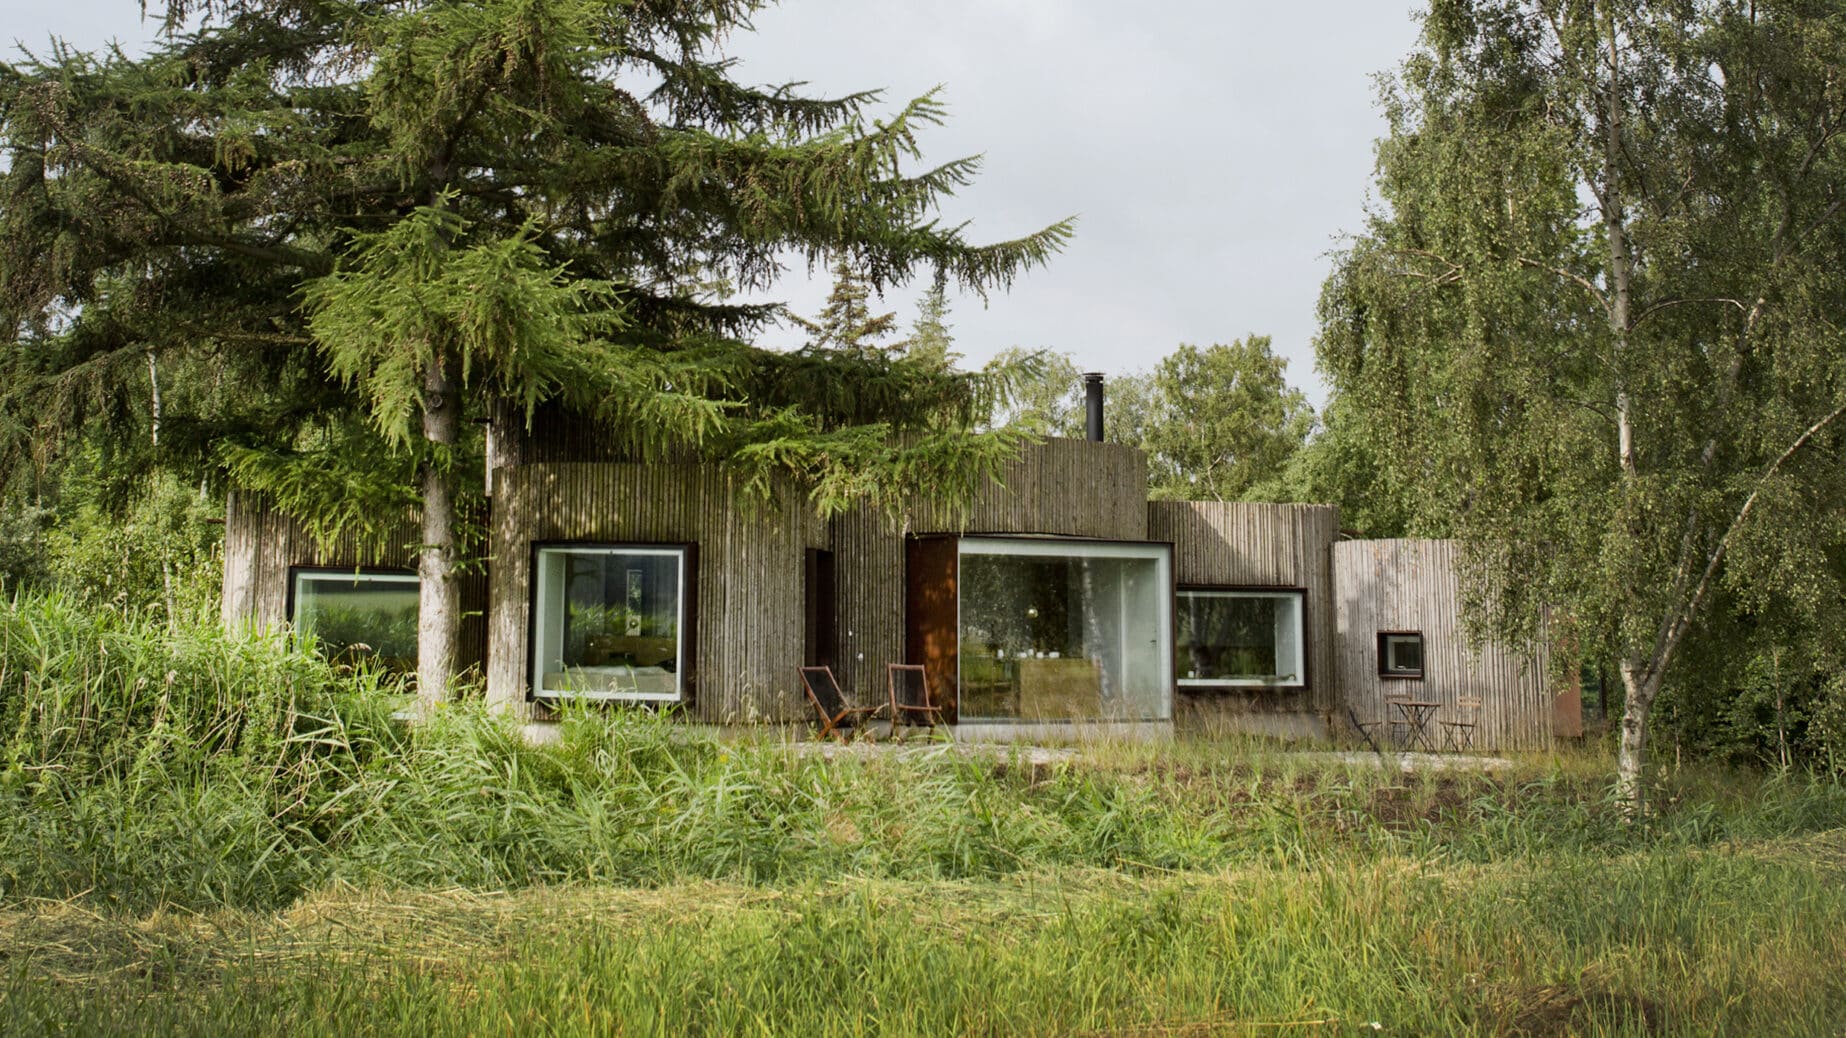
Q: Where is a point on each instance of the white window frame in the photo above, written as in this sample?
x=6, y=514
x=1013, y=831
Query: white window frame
x=299, y=575
x=1160, y=554
x=542, y=614
x=1300, y=597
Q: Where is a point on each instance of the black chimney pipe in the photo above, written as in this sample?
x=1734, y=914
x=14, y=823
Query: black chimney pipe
x=1092, y=404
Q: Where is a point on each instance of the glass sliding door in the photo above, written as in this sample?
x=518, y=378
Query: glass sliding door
x=1064, y=631
x=608, y=622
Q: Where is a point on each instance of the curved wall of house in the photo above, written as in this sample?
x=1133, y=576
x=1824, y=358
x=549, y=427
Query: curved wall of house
x=1245, y=545
x=262, y=544
x=747, y=607
x=1412, y=586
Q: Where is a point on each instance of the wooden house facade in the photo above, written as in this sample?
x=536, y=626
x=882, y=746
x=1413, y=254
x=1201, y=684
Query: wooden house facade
x=1061, y=597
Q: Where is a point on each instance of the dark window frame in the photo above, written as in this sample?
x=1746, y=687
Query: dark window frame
x=1307, y=640
x=1384, y=656
x=689, y=625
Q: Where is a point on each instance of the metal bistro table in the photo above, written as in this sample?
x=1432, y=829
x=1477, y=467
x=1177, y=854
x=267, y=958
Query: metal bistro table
x=1417, y=713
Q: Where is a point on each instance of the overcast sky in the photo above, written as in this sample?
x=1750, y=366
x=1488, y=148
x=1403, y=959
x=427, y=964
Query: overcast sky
x=1213, y=152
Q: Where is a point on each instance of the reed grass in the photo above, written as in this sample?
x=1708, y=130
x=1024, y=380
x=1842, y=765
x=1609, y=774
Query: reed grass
x=226, y=834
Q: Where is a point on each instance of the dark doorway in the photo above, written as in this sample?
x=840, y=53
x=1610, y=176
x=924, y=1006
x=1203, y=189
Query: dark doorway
x=820, y=636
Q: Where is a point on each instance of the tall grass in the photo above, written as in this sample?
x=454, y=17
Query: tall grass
x=235, y=837
x=209, y=770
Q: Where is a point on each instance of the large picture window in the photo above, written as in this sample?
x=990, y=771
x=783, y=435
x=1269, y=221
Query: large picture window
x=1240, y=638
x=358, y=616
x=609, y=622
x=1064, y=631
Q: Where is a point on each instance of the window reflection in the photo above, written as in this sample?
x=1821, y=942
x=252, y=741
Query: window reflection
x=1063, y=632
x=607, y=622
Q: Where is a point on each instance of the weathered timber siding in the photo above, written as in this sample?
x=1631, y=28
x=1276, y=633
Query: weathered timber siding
x=1065, y=488
x=262, y=543
x=868, y=559
x=1236, y=544
x=1412, y=585
x=747, y=605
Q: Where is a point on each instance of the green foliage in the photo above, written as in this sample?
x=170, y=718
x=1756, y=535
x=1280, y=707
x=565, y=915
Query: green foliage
x=142, y=767
x=1342, y=464
x=1744, y=942
x=1221, y=420
x=420, y=295
x=1218, y=424
x=930, y=343
x=1051, y=402
x=847, y=321
x=1590, y=322
x=287, y=217
x=206, y=769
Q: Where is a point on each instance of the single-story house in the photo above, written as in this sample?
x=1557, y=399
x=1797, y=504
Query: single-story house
x=1062, y=599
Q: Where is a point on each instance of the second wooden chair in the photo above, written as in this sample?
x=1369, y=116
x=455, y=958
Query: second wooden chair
x=911, y=703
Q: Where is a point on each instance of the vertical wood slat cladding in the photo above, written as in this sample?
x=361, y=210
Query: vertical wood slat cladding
x=1412, y=585
x=746, y=642
x=869, y=590
x=1069, y=488
x=262, y=543
x=1239, y=544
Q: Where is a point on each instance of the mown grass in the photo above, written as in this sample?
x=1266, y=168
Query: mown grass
x=208, y=833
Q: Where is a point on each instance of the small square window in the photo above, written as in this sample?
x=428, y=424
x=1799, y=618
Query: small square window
x=1400, y=654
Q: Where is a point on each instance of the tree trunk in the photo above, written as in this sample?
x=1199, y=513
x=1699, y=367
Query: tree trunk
x=439, y=598
x=1632, y=759
x=506, y=438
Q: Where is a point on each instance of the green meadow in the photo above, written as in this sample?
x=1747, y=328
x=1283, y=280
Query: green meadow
x=206, y=834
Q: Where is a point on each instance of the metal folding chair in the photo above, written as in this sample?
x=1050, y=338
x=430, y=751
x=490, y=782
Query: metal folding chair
x=1458, y=734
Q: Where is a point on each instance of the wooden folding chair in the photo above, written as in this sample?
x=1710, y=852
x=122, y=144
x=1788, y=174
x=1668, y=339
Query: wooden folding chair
x=1458, y=735
x=837, y=714
x=1365, y=729
x=910, y=700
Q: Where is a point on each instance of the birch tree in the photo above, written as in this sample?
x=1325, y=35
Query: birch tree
x=1596, y=314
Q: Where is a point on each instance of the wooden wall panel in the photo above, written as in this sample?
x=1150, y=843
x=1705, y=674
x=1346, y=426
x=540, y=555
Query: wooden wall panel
x=932, y=608
x=262, y=544
x=1069, y=488
x=1239, y=544
x=868, y=551
x=749, y=572
x=1412, y=585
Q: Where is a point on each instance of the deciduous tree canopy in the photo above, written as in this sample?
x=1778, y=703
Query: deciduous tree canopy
x=1596, y=319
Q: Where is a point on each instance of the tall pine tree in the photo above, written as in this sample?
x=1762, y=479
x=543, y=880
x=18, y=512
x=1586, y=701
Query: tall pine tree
x=422, y=212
